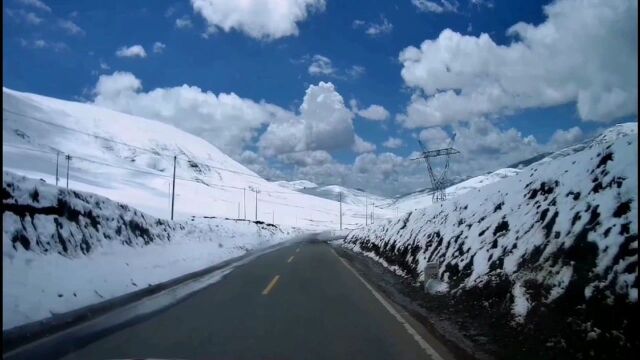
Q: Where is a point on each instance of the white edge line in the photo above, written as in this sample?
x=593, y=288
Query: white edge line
x=423, y=344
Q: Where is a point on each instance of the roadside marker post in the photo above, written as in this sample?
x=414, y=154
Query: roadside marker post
x=430, y=272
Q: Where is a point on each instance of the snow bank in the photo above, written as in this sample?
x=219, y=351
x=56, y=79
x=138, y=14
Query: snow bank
x=65, y=250
x=559, y=236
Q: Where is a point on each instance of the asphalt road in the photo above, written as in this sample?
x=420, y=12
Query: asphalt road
x=298, y=302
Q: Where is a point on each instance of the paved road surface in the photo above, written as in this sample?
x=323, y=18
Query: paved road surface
x=298, y=302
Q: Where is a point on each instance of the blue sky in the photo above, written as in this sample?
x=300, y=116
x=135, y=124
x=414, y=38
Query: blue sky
x=44, y=55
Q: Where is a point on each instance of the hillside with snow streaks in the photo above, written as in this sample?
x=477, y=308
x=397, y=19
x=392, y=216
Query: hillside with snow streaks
x=130, y=159
x=554, y=245
x=62, y=250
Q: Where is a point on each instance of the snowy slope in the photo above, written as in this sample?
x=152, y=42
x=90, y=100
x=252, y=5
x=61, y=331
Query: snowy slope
x=557, y=241
x=423, y=199
x=65, y=250
x=130, y=159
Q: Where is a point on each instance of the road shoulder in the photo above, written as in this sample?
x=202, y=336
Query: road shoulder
x=407, y=299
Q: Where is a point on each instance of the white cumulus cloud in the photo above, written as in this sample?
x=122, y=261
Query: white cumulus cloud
x=324, y=123
x=393, y=143
x=306, y=158
x=184, y=22
x=260, y=19
x=584, y=52
x=362, y=146
x=225, y=120
x=563, y=138
x=321, y=65
x=70, y=27
x=374, y=113
x=131, y=51
x=158, y=47
x=434, y=138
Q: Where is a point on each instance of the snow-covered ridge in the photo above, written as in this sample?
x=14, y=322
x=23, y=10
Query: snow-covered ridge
x=423, y=199
x=560, y=239
x=607, y=136
x=63, y=250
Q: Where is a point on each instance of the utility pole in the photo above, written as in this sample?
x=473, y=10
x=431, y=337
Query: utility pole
x=238, y=210
x=244, y=202
x=68, y=157
x=173, y=192
x=366, y=211
x=57, y=160
x=256, y=190
x=373, y=208
x=340, y=210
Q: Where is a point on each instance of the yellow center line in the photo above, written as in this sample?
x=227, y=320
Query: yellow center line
x=291, y=258
x=271, y=285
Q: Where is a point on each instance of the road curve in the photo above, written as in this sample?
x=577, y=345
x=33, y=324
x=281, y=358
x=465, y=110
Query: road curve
x=298, y=302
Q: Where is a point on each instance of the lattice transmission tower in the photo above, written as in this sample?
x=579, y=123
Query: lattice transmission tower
x=438, y=182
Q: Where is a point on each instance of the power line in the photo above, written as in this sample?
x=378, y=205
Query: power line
x=154, y=152
x=202, y=182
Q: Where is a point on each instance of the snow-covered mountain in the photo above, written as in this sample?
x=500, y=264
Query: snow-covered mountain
x=130, y=159
x=349, y=196
x=296, y=184
x=553, y=245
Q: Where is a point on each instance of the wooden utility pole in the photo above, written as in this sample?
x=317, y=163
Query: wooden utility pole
x=68, y=157
x=341, y=211
x=57, y=160
x=366, y=211
x=256, y=190
x=173, y=191
x=373, y=208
